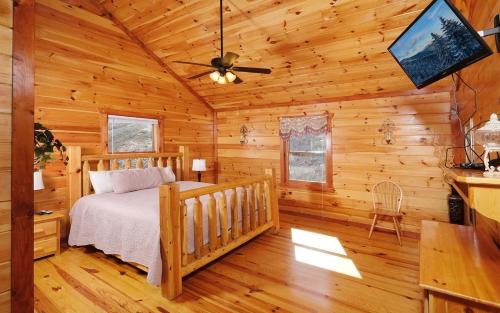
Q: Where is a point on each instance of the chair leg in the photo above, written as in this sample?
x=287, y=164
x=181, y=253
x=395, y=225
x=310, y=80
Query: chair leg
x=375, y=217
x=396, y=226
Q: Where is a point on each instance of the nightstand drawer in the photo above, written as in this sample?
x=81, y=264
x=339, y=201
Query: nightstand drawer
x=45, y=229
x=46, y=246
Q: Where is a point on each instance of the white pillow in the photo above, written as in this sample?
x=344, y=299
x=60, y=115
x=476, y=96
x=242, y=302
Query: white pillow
x=137, y=179
x=167, y=174
x=101, y=181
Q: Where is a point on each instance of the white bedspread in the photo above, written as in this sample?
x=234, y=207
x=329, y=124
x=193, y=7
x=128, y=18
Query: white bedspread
x=128, y=224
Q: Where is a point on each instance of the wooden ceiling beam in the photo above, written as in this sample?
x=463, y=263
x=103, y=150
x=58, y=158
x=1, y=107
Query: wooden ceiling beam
x=104, y=12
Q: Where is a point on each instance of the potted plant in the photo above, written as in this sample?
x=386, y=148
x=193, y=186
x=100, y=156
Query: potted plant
x=45, y=145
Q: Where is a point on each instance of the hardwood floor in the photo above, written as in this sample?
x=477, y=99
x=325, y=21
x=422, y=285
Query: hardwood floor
x=272, y=273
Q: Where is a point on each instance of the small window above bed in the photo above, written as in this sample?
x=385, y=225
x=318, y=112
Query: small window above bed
x=128, y=134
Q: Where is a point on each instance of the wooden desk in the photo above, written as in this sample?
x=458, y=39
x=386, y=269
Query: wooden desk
x=480, y=193
x=459, y=271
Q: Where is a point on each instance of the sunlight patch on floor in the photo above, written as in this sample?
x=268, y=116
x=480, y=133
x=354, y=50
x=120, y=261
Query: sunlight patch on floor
x=332, y=254
x=318, y=241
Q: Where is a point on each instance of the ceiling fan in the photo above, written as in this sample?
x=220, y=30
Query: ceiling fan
x=224, y=65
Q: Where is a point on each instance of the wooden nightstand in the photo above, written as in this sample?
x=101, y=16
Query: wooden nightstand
x=47, y=233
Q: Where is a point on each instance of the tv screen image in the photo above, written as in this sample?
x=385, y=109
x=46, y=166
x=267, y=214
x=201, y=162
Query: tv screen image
x=439, y=42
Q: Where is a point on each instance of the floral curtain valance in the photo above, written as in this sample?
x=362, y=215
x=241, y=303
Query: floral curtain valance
x=300, y=126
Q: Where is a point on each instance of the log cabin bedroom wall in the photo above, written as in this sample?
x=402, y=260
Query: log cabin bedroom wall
x=483, y=78
x=360, y=157
x=95, y=58
x=79, y=79
x=86, y=65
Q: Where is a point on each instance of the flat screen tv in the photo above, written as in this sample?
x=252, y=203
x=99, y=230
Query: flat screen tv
x=438, y=43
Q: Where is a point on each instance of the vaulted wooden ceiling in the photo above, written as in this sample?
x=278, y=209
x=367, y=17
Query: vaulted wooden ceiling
x=317, y=50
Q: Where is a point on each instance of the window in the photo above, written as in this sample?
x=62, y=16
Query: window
x=132, y=134
x=306, y=152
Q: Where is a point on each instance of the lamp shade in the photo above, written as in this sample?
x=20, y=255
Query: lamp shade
x=489, y=134
x=230, y=77
x=199, y=165
x=215, y=76
x=38, y=180
x=222, y=80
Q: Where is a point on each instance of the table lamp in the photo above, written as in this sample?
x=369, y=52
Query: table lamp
x=38, y=180
x=199, y=165
x=489, y=137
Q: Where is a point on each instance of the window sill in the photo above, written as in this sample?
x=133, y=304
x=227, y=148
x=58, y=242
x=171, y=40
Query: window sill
x=133, y=152
x=307, y=186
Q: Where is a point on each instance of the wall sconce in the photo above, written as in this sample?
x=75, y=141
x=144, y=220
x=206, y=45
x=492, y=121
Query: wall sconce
x=243, y=135
x=388, y=127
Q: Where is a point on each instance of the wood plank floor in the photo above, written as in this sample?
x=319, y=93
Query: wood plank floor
x=327, y=267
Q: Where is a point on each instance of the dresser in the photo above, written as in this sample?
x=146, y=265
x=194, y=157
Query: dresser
x=47, y=234
x=459, y=271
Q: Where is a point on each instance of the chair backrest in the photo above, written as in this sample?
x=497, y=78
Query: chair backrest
x=388, y=195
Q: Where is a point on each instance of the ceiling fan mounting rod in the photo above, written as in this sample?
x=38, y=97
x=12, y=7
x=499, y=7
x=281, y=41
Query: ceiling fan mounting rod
x=221, y=33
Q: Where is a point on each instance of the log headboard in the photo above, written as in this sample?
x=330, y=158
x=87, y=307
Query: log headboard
x=79, y=166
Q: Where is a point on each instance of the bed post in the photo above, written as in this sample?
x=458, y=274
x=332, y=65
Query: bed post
x=74, y=173
x=170, y=241
x=274, y=200
x=186, y=163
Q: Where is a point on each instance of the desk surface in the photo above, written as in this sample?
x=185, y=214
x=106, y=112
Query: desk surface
x=454, y=261
x=470, y=176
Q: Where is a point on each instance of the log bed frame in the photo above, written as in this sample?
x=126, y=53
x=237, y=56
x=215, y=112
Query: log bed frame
x=176, y=262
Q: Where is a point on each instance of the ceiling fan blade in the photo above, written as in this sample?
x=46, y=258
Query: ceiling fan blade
x=229, y=59
x=238, y=80
x=251, y=70
x=200, y=75
x=192, y=63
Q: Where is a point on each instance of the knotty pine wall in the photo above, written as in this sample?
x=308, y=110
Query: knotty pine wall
x=5, y=150
x=483, y=77
x=84, y=64
x=360, y=159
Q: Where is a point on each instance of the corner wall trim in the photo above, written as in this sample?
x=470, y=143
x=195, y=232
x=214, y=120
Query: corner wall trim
x=23, y=99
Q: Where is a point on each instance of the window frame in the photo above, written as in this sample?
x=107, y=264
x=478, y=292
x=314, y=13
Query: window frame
x=284, y=160
x=157, y=137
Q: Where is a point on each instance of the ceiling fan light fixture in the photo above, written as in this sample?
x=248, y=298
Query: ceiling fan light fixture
x=230, y=77
x=225, y=62
x=222, y=80
x=215, y=76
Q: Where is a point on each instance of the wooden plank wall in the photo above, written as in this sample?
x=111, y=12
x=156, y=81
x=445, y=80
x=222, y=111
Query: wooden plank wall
x=5, y=150
x=483, y=77
x=360, y=159
x=83, y=64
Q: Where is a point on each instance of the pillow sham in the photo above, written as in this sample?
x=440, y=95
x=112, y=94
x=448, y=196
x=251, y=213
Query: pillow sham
x=167, y=174
x=101, y=181
x=136, y=179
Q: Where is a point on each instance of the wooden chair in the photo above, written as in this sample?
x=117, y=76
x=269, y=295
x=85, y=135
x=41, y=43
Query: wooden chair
x=387, y=197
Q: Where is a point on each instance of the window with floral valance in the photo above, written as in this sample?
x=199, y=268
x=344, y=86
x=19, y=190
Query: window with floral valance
x=306, y=151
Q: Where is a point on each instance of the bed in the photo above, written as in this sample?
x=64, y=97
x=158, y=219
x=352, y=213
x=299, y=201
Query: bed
x=174, y=229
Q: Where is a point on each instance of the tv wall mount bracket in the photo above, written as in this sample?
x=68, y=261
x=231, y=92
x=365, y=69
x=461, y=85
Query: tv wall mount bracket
x=493, y=31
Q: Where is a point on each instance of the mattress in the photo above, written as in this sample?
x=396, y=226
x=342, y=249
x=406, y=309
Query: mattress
x=128, y=224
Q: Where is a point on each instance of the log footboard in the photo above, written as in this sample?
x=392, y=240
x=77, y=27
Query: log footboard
x=259, y=214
